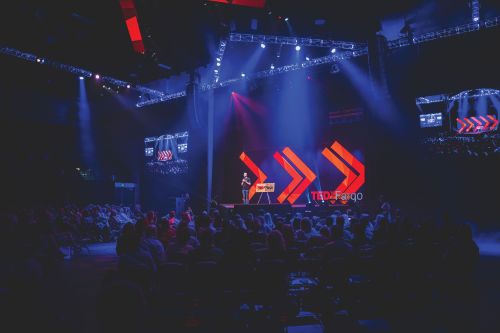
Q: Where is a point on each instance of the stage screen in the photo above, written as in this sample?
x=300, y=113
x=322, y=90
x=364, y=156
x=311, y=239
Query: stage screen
x=431, y=120
x=166, y=154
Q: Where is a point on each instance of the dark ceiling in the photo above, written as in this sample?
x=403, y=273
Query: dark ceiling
x=180, y=34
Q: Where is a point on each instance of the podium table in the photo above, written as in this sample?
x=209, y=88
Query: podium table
x=264, y=188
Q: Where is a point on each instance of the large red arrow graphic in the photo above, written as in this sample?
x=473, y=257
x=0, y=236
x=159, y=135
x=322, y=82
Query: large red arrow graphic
x=296, y=177
x=261, y=176
x=351, y=183
x=310, y=176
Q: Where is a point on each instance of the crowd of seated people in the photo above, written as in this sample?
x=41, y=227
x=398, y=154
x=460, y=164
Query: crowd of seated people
x=177, y=260
x=252, y=251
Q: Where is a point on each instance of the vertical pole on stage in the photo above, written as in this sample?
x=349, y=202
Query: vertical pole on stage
x=210, y=145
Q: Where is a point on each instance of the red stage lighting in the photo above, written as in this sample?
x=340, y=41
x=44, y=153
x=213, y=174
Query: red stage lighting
x=247, y=3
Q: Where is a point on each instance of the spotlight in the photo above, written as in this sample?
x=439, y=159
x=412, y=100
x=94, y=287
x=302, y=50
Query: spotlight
x=307, y=58
x=334, y=50
x=272, y=66
x=262, y=45
x=128, y=86
x=297, y=48
x=38, y=59
x=97, y=76
x=286, y=19
x=218, y=64
x=81, y=77
x=475, y=19
x=216, y=71
x=218, y=59
x=242, y=74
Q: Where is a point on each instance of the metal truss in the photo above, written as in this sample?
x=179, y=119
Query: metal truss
x=75, y=70
x=363, y=50
x=464, y=94
x=475, y=93
x=263, y=74
x=475, y=10
x=448, y=32
x=218, y=58
x=163, y=98
x=304, y=41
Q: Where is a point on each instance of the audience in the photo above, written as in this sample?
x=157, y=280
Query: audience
x=144, y=244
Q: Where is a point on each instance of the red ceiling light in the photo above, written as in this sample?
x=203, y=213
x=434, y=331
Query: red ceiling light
x=130, y=14
x=247, y=3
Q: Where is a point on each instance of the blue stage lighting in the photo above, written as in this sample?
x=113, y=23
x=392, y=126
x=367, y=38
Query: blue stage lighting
x=242, y=74
x=307, y=58
x=128, y=86
x=81, y=77
x=263, y=45
x=297, y=48
x=286, y=19
x=334, y=50
x=272, y=66
x=97, y=76
x=218, y=64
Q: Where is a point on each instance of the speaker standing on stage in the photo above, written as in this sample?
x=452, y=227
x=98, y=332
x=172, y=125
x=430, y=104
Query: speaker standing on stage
x=245, y=185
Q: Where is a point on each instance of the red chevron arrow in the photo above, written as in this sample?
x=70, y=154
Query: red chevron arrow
x=470, y=124
x=462, y=127
x=261, y=176
x=296, y=177
x=350, y=176
x=479, y=124
x=486, y=123
x=353, y=161
x=310, y=176
x=351, y=183
x=495, y=122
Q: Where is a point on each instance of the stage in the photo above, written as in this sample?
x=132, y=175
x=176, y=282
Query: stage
x=283, y=209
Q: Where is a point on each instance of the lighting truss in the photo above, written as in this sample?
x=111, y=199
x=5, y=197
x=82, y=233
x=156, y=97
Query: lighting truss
x=475, y=10
x=464, y=94
x=363, y=50
x=444, y=33
x=305, y=41
x=475, y=93
x=218, y=57
x=263, y=74
x=75, y=70
x=431, y=99
x=163, y=98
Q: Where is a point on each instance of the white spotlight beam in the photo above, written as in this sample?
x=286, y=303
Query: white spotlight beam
x=302, y=41
x=75, y=70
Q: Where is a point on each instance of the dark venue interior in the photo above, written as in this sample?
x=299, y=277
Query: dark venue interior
x=250, y=166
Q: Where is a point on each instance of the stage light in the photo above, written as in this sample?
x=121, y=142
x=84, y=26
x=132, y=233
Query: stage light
x=476, y=19
x=218, y=59
x=218, y=64
x=307, y=58
x=286, y=19
x=334, y=50
x=297, y=48
x=38, y=59
x=272, y=66
x=128, y=86
x=216, y=71
x=262, y=45
x=97, y=76
x=81, y=77
x=242, y=74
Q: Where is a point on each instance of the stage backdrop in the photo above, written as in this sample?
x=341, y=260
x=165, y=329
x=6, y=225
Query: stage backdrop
x=292, y=133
